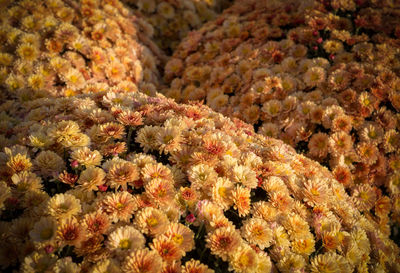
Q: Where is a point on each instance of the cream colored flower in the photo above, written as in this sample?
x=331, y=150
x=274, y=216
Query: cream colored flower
x=151, y=221
x=257, y=231
x=62, y=206
x=125, y=238
x=84, y=156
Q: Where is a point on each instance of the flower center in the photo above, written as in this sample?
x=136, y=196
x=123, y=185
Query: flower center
x=125, y=244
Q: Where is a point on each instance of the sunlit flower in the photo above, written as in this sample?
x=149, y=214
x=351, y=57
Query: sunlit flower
x=70, y=232
x=221, y=192
x=291, y=262
x=66, y=265
x=244, y=259
x=160, y=190
x=119, y=206
x=96, y=223
x=151, y=221
x=154, y=171
x=122, y=173
x=86, y=157
x=364, y=197
x=329, y=262
x=19, y=163
x=181, y=235
x=125, y=238
x=241, y=200
x=92, y=178
x=223, y=241
x=62, y=206
x=143, y=261
x=167, y=248
x=340, y=143
x=257, y=231
x=304, y=245
x=194, y=266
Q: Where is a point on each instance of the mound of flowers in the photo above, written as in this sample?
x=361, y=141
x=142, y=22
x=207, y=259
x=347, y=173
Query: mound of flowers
x=63, y=48
x=323, y=76
x=172, y=20
x=122, y=181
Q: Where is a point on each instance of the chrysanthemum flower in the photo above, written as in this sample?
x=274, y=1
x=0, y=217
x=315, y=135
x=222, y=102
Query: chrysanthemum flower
x=318, y=145
x=340, y=143
x=70, y=232
x=241, y=200
x=257, y=231
x=187, y=197
x=146, y=137
x=151, y=221
x=125, y=238
x=18, y=163
x=223, y=241
x=304, y=245
x=63, y=131
x=44, y=231
x=91, y=178
x=264, y=210
x=201, y=176
x=142, y=261
x=194, y=266
x=91, y=248
x=291, y=262
x=168, y=138
x=343, y=175
x=181, y=235
x=110, y=265
x=167, y=248
x=153, y=171
x=295, y=225
x=119, y=206
x=74, y=79
x=342, y=123
x=38, y=261
x=329, y=262
x=49, y=162
x=63, y=206
x=86, y=157
x=122, y=173
x=112, y=130
x=364, y=196
x=130, y=118
x=161, y=191
x=66, y=265
x=315, y=192
x=368, y=152
x=221, y=192
x=244, y=259
x=245, y=176
x=314, y=76
x=96, y=223
x=26, y=181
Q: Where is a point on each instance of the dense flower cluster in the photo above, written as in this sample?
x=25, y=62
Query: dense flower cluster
x=321, y=75
x=117, y=177
x=62, y=48
x=172, y=20
x=125, y=181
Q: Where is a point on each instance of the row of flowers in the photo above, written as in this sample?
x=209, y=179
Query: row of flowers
x=318, y=75
x=127, y=181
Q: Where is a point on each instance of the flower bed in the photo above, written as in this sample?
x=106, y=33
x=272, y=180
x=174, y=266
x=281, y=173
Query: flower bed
x=321, y=75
